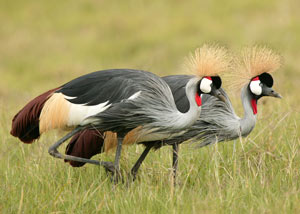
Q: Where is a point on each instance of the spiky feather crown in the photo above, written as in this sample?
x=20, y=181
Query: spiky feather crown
x=209, y=60
x=253, y=62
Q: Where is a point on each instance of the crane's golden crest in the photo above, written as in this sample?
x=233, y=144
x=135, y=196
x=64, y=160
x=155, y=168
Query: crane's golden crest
x=253, y=62
x=208, y=60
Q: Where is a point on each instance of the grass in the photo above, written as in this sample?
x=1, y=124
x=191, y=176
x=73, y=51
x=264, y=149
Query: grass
x=44, y=44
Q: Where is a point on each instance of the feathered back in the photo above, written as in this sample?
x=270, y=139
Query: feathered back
x=252, y=62
x=209, y=60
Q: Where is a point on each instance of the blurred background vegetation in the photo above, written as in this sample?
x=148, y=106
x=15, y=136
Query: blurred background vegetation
x=44, y=44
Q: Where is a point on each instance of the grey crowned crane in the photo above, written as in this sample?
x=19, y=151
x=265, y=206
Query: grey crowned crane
x=217, y=122
x=137, y=105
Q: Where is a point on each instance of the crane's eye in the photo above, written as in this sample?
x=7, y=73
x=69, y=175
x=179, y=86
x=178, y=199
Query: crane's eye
x=205, y=84
x=255, y=86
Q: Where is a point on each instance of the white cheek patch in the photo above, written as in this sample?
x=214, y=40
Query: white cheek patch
x=255, y=87
x=205, y=85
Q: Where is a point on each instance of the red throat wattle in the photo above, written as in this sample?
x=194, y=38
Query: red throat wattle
x=254, y=106
x=254, y=101
x=198, y=99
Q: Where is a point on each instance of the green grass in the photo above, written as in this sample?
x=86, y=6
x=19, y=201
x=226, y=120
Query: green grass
x=43, y=44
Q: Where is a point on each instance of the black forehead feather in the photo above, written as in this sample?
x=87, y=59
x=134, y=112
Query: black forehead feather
x=266, y=79
x=216, y=81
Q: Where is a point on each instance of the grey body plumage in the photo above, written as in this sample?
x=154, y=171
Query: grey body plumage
x=218, y=121
x=153, y=108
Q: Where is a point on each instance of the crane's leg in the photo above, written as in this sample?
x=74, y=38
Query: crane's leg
x=175, y=160
x=54, y=152
x=116, y=172
x=114, y=167
x=118, y=155
x=138, y=163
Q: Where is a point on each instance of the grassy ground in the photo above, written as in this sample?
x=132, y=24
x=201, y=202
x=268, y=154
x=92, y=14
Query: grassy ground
x=45, y=43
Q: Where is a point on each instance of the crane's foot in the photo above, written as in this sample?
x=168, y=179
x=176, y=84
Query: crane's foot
x=113, y=171
x=109, y=167
x=132, y=175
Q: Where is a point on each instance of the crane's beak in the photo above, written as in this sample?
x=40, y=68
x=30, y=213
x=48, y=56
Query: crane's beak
x=275, y=94
x=268, y=91
x=217, y=93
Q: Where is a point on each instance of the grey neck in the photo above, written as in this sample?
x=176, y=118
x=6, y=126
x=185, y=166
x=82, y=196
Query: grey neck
x=184, y=120
x=248, y=122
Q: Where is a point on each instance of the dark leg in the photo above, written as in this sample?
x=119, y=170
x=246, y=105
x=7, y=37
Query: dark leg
x=116, y=172
x=138, y=163
x=54, y=152
x=175, y=160
x=118, y=155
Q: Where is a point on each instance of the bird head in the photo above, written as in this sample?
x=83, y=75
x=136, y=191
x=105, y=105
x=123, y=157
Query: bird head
x=210, y=85
x=261, y=85
x=252, y=69
x=207, y=63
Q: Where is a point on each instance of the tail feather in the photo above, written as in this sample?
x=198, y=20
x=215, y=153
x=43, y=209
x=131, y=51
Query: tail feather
x=85, y=144
x=25, y=124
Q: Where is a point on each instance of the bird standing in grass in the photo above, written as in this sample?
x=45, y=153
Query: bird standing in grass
x=137, y=105
x=217, y=122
